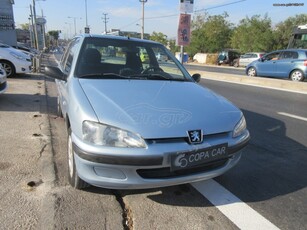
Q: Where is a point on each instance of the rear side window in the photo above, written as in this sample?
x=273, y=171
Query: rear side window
x=289, y=55
x=69, y=55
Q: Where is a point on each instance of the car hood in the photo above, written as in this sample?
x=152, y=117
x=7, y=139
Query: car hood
x=160, y=109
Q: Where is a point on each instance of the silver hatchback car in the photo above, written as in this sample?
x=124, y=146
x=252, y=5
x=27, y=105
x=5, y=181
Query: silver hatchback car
x=134, y=124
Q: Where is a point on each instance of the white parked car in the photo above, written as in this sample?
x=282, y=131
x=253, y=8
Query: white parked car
x=14, y=61
x=247, y=58
x=3, y=82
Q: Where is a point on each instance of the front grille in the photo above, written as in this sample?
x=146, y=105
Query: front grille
x=161, y=173
x=206, y=137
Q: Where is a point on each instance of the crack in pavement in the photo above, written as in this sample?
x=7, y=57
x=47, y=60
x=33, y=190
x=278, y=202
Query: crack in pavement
x=127, y=212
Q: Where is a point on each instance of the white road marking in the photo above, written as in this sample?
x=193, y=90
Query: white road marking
x=242, y=215
x=292, y=116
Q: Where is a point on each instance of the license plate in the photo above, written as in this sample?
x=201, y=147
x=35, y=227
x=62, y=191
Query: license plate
x=184, y=160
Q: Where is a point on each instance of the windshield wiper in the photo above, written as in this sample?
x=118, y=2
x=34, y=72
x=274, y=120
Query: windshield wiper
x=163, y=76
x=104, y=76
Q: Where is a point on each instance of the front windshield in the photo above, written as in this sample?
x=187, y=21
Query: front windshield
x=123, y=58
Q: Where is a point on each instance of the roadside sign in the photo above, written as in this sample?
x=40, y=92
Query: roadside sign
x=186, y=6
x=184, y=30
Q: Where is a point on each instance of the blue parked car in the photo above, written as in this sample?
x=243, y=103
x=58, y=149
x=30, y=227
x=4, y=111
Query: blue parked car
x=291, y=63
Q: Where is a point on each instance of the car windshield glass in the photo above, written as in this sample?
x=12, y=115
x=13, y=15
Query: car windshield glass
x=127, y=59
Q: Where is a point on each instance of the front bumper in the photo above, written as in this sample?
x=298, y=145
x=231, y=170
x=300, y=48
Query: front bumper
x=149, y=168
x=23, y=67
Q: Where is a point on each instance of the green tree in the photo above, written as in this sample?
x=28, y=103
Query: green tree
x=24, y=26
x=253, y=34
x=284, y=30
x=54, y=34
x=159, y=37
x=210, y=33
x=172, y=46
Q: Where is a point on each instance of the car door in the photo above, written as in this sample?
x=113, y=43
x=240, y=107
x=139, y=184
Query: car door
x=244, y=59
x=286, y=63
x=267, y=65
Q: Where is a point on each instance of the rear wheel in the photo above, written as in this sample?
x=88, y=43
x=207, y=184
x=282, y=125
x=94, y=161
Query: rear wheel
x=9, y=68
x=297, y=75
x=74, y=180
x=251, y=72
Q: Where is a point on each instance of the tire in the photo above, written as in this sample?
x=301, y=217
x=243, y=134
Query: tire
x=297, y=75
x=9, y=68
x=74, y=180
x=252, y=72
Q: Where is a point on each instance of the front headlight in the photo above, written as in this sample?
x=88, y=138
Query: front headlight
x=105, y=135
x=239, y=128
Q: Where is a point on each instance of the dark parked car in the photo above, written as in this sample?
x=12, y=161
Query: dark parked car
x=291, y=63
x=227, y=57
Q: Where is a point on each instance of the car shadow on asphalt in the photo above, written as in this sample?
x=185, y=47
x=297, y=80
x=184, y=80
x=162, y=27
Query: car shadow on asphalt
x=13, y=101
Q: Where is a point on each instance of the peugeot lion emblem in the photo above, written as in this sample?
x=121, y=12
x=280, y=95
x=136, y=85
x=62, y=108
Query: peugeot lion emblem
x=195, y=136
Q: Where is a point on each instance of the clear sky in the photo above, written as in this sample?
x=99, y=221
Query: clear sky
x=160, y=15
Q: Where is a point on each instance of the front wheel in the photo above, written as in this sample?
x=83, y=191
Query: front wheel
x=251, y=72
x=297, y=75
x=9, y=68
x=73, y=178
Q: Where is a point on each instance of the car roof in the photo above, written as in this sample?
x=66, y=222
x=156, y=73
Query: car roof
x=123, y=38
x=303, y=50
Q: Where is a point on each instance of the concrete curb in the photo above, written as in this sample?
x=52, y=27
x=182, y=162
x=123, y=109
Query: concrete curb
x=278, y=84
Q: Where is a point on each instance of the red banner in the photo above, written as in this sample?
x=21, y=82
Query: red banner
x=184, y=30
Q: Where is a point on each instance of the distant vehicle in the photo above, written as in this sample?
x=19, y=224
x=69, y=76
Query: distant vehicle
x=290, y=63
x=161, y=57
x=3, y=82
x=227, y=57
x=247, y=58
x=134, y=125
x=14, y=61
x=298, y=39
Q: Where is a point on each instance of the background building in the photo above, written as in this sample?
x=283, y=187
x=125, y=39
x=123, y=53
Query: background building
x=7, y=23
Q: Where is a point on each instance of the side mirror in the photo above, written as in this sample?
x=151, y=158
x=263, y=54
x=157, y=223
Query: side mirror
x=196, y=77
x=55, y=72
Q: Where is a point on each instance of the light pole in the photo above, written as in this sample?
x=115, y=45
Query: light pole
x=86, y=22
x=143, y=6
x=69, y=35
x=75, y=23
x=35, y=25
